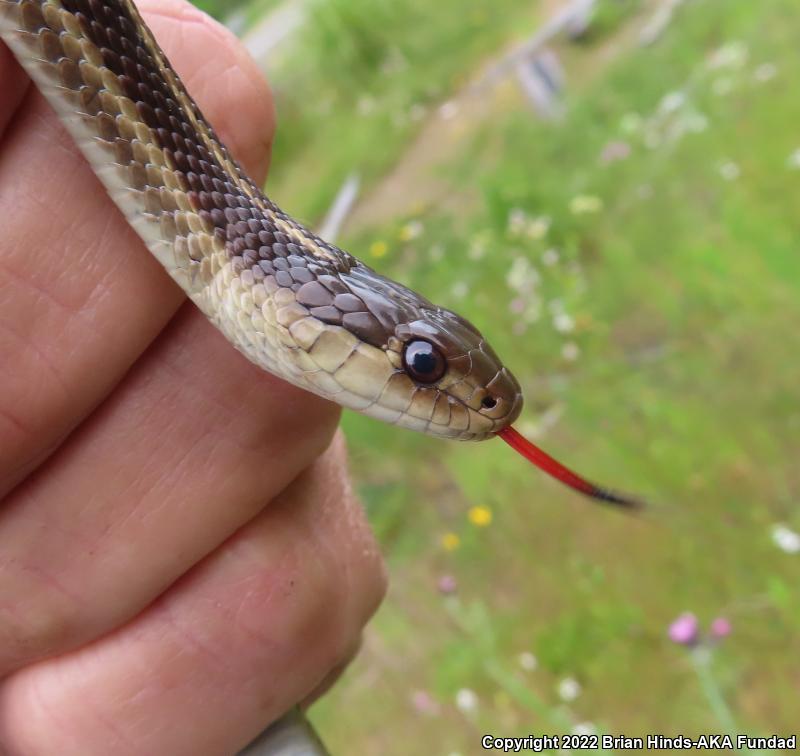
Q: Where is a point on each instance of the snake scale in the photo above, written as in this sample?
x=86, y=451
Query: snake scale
x=295, y=305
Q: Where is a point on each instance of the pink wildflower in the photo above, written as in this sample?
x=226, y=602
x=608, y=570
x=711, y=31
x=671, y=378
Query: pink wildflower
x=684, y=630
x=720, y=628
x=615, y=151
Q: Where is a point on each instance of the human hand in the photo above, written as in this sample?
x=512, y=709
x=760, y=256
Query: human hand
x=181, y=560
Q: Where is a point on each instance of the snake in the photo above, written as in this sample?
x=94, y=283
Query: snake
x=303, y=309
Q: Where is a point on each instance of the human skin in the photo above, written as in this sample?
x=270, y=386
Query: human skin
x=181, y=556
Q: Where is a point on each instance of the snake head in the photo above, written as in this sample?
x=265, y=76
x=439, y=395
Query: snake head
x=379, y=348
x=442, y=376
x=453, y=377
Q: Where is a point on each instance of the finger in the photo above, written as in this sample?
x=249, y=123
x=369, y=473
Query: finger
x=80, y=297
x=233, y=645
x=333, y=676
x=14, y=85
x=131, y=502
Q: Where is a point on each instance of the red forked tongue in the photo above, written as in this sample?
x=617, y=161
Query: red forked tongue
x=545, y=462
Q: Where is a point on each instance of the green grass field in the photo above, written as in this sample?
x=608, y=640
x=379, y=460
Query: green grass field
x=649, y=302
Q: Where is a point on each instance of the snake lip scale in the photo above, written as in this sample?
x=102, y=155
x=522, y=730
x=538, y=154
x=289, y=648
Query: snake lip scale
x=294, y=304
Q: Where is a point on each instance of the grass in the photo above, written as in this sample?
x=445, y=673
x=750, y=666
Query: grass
x=656, y=346
x=393, y=61
x=251, y=11
x=219, y=8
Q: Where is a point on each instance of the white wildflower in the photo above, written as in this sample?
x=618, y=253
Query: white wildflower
x=522, y=276
x=563, y=323
x=569, y=689
x=448, y=110
x=517, y=220
x=584, y=728
x=794, y=160
x=365, y=105
x=528, y=428
x=460, y=289
x=570, y=351
x=696, y=122
x=467, y=700
x=730, y=55
x=672, y=101
x=730, y=171
x=436, y=252
x=765, y=72
x=477, y=249
x=550, y=257
x=528, y=661
x=786, y=539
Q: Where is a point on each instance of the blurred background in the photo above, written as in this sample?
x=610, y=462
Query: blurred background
x=610, y=191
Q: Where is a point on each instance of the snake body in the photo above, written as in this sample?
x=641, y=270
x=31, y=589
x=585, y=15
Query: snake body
x=297, y=306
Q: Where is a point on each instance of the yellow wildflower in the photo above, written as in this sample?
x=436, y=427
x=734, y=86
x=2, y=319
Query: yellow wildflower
x=480, y=517
x=538, y=228
x=450, y=541
x=379, y=248
x=583, y=204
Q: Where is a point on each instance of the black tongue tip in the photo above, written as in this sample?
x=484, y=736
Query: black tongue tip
x=617, y=499
x=554, y=468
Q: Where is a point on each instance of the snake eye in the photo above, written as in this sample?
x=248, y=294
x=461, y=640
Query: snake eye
x=424, y=362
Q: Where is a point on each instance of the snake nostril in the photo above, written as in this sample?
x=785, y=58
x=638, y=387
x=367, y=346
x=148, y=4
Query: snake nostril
x=489, y=402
